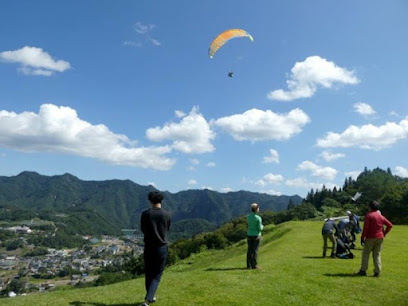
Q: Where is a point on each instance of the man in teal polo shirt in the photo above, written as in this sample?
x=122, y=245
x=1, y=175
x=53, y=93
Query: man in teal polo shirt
x=255, y=228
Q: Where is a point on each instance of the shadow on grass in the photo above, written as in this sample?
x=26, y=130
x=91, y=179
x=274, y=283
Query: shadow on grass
x=342, y=274
x=313, y=257
x=224, y=269
x=78, y=303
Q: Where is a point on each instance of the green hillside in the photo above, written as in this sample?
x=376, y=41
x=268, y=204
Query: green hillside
x=106, y=207
x=293, y=273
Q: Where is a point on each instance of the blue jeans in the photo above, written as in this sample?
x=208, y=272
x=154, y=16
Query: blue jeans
x=155, y=261
x=252, y=253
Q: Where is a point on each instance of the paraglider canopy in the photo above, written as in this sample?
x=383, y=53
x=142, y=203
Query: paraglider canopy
x=224, y=37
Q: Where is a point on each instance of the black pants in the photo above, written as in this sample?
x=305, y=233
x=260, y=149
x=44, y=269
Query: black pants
x=252, y=254
x=155, y=261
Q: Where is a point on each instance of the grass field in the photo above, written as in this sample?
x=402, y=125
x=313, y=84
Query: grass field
x=292, y=273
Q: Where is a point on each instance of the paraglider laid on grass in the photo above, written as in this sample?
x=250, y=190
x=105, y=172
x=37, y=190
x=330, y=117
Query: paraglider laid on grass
x=223, y=38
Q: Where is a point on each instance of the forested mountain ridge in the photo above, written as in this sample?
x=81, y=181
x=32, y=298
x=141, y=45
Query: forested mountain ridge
x=391, y=191
x=106, y=207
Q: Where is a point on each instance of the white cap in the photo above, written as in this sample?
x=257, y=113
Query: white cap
x=348, y=212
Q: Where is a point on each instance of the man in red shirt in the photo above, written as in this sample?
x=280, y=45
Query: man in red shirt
x=372, y=238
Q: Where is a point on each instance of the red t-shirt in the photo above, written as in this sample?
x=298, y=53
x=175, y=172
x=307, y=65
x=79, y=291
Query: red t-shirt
x=374, y=226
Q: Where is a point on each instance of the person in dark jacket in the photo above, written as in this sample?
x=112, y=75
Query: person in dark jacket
x=155, y=223
x=328, y=232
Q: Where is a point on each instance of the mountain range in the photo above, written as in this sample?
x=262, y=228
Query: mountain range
x=111, y=205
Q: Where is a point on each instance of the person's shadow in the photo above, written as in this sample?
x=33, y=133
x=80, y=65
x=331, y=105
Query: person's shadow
x=224, y=269
x=78, y=303
x=342, y=275
x=313, y=257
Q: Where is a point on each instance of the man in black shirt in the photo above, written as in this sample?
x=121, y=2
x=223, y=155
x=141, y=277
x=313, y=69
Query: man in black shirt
x=155, y=223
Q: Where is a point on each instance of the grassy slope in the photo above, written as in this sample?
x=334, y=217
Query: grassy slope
x=293, y=273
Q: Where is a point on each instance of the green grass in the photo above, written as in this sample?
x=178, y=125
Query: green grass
x=293, y=273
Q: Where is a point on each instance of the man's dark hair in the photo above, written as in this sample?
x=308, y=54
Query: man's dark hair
x=155, y=197
x=374, y=205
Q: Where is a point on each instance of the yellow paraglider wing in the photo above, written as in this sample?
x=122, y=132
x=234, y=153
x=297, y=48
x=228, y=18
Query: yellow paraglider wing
x=221, y=39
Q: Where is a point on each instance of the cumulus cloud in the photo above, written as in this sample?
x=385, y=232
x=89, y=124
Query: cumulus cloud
x=152, y=184
x=272, y=192
x=226, y=189
x=364, y=109
x=401, y=171
x=308, y=75
x=34, y=61
x=258, y=125
x=210, y=164
x=327, y=173
x=59, y=130
x=192, y=182
x=192, y=134
x=194, y=161
x=269, y=179
x=179, y=114
x=367, y=136
x=352, y=174
x=301, y=182
x=272, y=158
x=328, y=156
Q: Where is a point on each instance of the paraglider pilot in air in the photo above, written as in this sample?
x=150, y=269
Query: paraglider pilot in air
x=231, y=74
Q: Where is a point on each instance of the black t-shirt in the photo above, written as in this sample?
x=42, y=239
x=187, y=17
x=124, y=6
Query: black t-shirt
x=155, y=223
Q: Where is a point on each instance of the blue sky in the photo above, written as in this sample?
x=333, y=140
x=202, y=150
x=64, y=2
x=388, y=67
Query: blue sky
x=126, y=90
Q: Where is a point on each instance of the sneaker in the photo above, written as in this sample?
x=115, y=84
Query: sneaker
x=145, y=304
x=376, y=274
x=257, y=268
x=361, y=273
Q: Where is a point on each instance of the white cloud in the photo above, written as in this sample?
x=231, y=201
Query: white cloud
x=272, y=158
x=179, y=114
x=301, y=182
x=207, y=187
x=152, y=184
x=34, y=61
x=191, y=135
x=394, y=114
x=327, y=173
x=269, y=179
x=328, y=156
x=367, y=136
x=226, y=189
x=145, y=30
x=352, y=174
x=258, y=125
x=141, y=28
x=401, y=171
x=308, y=75
x=211, y=164
x=194, y=161
x=59, y=130
x=272, y=192
x=363, y=109
x=192, y=182
x=132, y=43
x=155, y=42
